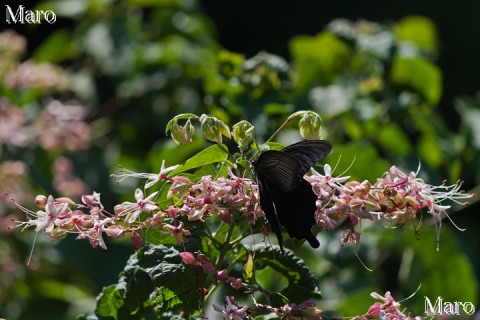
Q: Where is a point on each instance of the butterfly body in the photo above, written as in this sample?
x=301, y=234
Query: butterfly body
x=286, y=198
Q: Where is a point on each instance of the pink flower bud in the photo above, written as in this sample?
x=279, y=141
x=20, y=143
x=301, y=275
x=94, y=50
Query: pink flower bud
x=187, y=257
x=222, y=275
x=41, y=201
x=226, y=217
x=237, y=284
x=374, y=310
x=136, y=240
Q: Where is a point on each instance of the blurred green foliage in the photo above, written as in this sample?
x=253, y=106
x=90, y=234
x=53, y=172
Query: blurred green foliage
x=136, y=64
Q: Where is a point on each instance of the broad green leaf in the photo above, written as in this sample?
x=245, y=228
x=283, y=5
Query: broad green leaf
x=212, y=154
x=359, y=159
x=318, y=59
x=272, y=146
x=152, y=270
x=420, y=75
x=357, y=302
x=56, y=48
x=302, y=283
x=172, y=154
x=230, y=63
x=418, y=30
x=168, y=273
x=106, y=306
x=446, y=273
x=128, y=299
x=275, y=109
x=430, y=150
x=393, y=139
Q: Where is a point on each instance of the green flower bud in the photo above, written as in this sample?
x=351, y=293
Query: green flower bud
x=177, y=133
x=188, y=131
x=310, y=126
x=213, y=129
x=243, y=134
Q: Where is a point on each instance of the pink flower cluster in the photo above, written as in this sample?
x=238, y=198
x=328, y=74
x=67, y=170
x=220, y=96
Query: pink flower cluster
x=201, y=261
x=89, y=219
x=220, y=196
x=57, y=126
x=397, y=198
x=387, y=309
x=12, y=45
x=306, y=310
x=31, y=75
x=62, y=216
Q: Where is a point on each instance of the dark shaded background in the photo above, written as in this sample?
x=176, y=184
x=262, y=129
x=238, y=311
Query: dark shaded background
x=250, y=26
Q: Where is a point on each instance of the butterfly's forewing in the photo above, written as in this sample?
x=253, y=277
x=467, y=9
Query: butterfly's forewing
x=278, y=168
x=307, y=154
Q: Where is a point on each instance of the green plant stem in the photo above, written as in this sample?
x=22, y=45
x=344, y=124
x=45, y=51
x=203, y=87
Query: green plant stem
x=290, y=118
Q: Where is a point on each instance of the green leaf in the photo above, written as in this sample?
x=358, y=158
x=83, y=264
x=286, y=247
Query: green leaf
x=418, y=30
x=276, y=109
x=272, y=146
x=170, y=275
x=420, y=75
x=359, y=159
x=56, y=48
x=302, y=283
x=393, y=139
x=106, y=306
x=212, y=154
x=447, y=273
x=430, y=150
x=154, y=278
x=318, y=59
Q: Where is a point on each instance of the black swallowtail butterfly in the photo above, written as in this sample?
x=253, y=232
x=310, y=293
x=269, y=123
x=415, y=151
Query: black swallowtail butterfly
x=286, y=198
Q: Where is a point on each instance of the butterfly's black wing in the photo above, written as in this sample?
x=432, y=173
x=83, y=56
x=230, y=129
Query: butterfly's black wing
x=279, y=169
x=295, y=211
x=307, y=154
x=267, y=202
x=285, y=197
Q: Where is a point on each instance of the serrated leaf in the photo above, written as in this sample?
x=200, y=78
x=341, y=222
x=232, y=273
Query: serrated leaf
x=165, y=267
x=212, y=154
x=152, y=270
x=302, y=283
x=105, y=307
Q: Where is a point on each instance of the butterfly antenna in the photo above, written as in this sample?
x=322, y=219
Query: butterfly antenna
x=349, y=167
x=336, y=164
